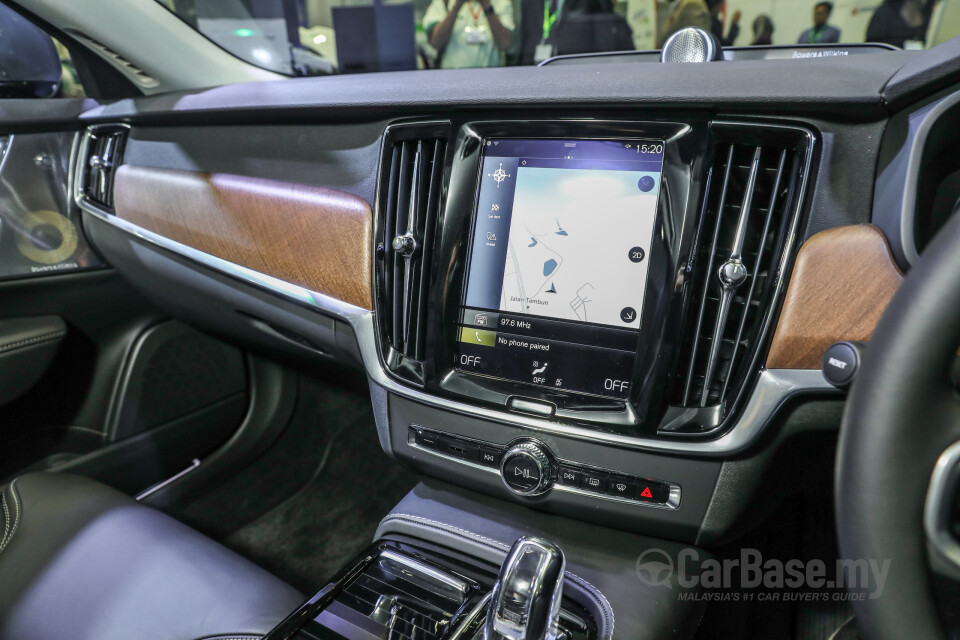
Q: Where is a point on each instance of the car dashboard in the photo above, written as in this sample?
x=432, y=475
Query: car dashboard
x=471, y=240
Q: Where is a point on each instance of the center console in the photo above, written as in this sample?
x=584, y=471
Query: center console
x=574, y=313
x=451, y=564
x=405, y=588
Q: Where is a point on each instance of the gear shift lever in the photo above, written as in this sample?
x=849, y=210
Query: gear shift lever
x=525, y=604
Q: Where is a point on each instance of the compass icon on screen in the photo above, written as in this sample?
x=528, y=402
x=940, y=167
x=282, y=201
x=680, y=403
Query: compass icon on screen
x=499, y=175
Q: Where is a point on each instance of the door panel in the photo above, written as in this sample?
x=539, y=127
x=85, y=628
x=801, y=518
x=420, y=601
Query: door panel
x=27, y=346
x=93, y=377
x=65, y=411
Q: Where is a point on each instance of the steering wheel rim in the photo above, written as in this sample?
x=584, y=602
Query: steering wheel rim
x=903, y=412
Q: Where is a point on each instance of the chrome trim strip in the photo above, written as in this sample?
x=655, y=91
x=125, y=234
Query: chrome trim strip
x=773, y=387
x=319, y=301
x=160, y=485
x=673, y=502
x=416, y=566
x=938, y=511
x=478, y=611
x=5, y=143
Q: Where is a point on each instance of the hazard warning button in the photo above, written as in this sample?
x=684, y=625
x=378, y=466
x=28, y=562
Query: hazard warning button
x=648, y=491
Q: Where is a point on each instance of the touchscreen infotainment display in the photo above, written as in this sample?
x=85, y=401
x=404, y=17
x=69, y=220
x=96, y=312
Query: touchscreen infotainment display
x=558, y=262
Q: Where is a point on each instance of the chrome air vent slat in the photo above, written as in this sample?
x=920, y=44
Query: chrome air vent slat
x=408, y=209
x=711, y=251
x=729, y=287
x=101, y=154
x=758, y=256
x=750, y=212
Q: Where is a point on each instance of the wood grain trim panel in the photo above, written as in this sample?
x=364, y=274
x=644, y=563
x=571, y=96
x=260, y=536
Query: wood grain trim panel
x=316, y=238
x=842, y=282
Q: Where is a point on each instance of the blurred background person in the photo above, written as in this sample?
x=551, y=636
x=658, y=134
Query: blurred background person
x=560, y=27
x=70, y=86
x=716, y=23
x=762, y=30
x=901, y=23
x=821, y=32
x=687, y=13
x=469, y=33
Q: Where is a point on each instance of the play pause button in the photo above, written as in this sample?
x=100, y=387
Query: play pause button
x=521, y=473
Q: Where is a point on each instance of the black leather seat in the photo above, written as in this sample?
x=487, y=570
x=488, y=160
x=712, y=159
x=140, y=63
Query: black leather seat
x=79, y=560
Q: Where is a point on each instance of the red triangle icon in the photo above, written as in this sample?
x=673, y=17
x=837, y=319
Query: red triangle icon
x=646, y=493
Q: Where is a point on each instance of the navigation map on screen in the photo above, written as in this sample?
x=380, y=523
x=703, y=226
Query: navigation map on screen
x=559, y=262
x=571, y=231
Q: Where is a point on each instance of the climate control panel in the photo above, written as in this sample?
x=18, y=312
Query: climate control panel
x=528, y=468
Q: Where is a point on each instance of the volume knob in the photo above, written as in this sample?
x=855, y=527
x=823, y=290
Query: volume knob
x=525, y=469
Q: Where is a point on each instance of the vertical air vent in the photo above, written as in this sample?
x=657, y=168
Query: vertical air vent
x=749, y=218
x=411, y=193
x=102, y=154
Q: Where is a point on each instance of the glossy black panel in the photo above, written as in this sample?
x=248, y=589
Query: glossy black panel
x=558, y=257
x=686, y=156
x=374, y=597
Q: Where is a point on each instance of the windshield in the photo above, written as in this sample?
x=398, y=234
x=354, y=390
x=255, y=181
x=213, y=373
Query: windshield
x=311, y=37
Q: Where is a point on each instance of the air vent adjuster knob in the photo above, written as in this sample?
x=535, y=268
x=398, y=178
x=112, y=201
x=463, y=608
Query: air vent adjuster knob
x=99, y=162
x=405, y=245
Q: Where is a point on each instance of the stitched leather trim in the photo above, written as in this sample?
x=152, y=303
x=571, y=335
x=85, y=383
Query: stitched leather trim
x=10, y=503
x=31, y=341
x=593, y=592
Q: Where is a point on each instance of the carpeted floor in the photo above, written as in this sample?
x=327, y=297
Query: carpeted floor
x=314, y=500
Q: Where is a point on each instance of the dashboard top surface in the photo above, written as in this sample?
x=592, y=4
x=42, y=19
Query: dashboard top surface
x=849, y=87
